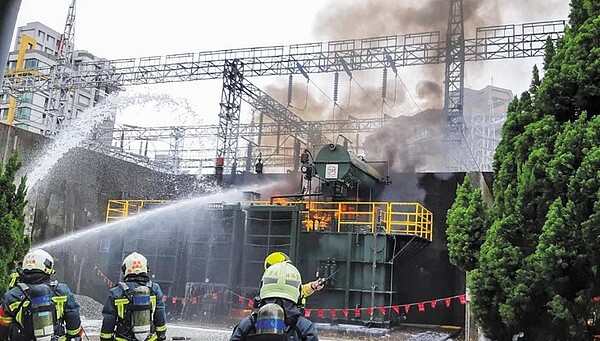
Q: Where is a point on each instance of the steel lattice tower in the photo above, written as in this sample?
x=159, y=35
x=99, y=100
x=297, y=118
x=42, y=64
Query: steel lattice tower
x=59, y=95
x=229, y=116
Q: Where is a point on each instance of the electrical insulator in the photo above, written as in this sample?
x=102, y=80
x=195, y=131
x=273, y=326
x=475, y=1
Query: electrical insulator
x=384, y=86
x=336, y=83
x=290, y=83
x=304, y=157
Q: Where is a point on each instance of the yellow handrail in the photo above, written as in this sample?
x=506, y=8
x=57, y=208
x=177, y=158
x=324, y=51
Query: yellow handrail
x=399, y=218
x=121, y=209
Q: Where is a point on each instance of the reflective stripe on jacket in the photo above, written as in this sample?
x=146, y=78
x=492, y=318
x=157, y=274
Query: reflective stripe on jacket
x=114, y=313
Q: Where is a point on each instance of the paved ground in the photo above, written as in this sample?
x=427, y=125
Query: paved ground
x=215, y=333
x=221, y=330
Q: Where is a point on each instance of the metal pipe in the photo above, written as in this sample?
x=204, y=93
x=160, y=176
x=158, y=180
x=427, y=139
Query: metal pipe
x=9, y=9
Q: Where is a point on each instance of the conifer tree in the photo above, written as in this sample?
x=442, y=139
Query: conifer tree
x=13, y=243
x=540, y=262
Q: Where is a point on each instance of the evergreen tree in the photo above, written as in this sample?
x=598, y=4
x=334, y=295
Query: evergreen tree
x=571, y=84
x=540, y=261
x=549, y=52
x=13, y=243
x=535, y=81
x=466, y=221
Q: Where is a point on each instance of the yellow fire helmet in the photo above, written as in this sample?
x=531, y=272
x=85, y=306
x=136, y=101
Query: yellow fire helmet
x=38, y=260
x=281, y=280
x=134, y=264
x=276, y=257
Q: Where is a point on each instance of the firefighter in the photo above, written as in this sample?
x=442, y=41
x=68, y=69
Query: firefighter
x=15, y=274
x=277, y=315
x=38, y=308
x=307, y=288
x=134, y=309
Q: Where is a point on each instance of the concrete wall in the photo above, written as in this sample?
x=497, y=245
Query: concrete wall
x=76, y=191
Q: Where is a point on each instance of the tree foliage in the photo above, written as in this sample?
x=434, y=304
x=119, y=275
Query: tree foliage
x=539, y=262
x=13, y=243
x=466, y=221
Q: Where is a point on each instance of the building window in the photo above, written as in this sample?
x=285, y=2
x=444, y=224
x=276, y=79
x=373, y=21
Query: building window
x=23, y=113
x=31, y=64
x=85, y=101
x=3, y=113
x=27, y=97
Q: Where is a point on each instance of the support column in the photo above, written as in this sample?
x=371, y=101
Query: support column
x=229, y=117
x=9, y=9
x=296, y=154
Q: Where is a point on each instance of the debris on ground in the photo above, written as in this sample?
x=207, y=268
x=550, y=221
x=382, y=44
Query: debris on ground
x=89, y=309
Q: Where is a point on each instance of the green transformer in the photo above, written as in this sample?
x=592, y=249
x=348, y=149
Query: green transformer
x=344, y=175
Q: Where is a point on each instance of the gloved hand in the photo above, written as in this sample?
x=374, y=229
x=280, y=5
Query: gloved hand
x=316, y=285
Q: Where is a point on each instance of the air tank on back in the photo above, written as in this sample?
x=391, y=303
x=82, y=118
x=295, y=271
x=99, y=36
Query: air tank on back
x=345, y=176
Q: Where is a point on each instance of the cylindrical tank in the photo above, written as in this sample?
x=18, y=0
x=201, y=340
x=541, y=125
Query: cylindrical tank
x=270, y=320
x=335, y=163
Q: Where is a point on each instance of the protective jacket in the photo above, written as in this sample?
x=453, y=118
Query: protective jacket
x=297, y=327
x=15, y=321
x=116, y=322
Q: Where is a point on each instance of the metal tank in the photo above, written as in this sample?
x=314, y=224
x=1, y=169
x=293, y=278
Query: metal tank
x=345, y=175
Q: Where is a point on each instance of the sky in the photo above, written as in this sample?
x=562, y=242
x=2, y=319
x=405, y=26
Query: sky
x=115, y=29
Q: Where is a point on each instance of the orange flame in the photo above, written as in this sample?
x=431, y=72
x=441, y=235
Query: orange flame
x=318, y=219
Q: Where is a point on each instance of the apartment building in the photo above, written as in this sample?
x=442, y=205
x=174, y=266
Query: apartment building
x=32, y=107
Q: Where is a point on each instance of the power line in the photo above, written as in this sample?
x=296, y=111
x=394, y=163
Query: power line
x=408, y=92
x=305, y=99
x=368, y=96
x=329, y=98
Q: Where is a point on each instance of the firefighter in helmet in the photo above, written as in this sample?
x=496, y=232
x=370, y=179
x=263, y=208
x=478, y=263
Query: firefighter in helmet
x=38, y=308
x=15, y=274
x=307, y=288
x=134, y=309
x=277, y=315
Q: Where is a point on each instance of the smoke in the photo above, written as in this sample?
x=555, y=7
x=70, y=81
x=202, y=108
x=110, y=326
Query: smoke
x=372, y=18
x=430, y=92
x=304, y=103
x=343, y=19
x=357, y=98
x=409, y=143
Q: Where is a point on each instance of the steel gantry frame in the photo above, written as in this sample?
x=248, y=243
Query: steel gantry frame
x=455, y=72
x=235, y=89
x=59, y=94
x=229, y=116
x=490, y=43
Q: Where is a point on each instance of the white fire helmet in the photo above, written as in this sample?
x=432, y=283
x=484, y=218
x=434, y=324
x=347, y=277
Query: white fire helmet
x=281, y=280
x=134, y=264
x=38, y=260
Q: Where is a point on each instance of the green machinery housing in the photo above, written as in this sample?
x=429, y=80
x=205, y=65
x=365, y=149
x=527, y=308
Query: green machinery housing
x=223, y=250
x=217, y=256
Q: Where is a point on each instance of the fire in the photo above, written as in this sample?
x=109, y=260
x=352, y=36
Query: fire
x=280, y=201
x=318, y=219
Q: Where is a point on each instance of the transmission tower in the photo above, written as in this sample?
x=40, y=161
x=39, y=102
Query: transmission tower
x=59, y=95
